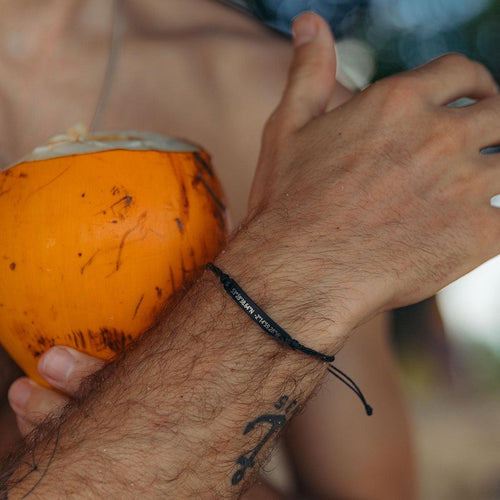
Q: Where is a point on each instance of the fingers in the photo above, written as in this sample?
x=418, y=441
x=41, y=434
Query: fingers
x=311, y=77
x=64, y=368
x=450, y=77
x=33, y=403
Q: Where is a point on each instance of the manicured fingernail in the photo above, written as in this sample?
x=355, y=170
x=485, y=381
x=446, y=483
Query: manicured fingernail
x=58, y=364
x=19, y=394
x=304, y=29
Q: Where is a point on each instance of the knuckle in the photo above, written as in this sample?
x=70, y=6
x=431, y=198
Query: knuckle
x=394, y=100
x=397, y=92
x=481, y=73
x=454, y=59
x=453, y=62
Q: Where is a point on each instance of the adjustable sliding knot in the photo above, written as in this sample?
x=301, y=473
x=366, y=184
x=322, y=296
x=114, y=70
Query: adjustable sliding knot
x=274, y=330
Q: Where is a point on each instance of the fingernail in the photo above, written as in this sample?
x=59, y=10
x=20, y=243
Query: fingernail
x=58, y=364
x=19, y=394
x=304, y=29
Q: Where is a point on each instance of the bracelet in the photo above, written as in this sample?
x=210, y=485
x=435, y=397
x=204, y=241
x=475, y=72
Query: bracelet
x=272, y=328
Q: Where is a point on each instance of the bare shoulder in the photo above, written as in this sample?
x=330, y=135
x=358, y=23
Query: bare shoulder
x=219, y=56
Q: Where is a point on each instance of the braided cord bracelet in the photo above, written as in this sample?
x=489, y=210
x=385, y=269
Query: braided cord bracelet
x=272, y=328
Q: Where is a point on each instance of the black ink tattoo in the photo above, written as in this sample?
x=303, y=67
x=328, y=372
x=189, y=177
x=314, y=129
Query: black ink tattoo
x=276, y=423
x=30, y=467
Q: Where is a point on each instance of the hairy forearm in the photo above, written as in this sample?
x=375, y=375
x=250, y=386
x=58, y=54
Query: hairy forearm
x=170, y=417
x=361, y=224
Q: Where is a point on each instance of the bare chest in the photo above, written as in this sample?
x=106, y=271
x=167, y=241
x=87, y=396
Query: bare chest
x=215, y=91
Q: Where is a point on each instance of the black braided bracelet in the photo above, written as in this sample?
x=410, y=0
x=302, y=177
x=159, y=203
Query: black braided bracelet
x=274, y=330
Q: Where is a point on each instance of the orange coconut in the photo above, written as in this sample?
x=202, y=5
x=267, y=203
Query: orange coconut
x=96, y=236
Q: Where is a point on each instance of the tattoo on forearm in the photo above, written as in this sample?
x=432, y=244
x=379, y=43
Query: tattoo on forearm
x=30, y=467
x=276, y=422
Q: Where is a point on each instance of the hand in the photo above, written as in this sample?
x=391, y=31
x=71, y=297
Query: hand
x=385, y=200
x=380, y=202
x=345, y=207
x=64, y=369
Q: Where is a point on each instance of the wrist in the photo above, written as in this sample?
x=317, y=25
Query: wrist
x=289, y=285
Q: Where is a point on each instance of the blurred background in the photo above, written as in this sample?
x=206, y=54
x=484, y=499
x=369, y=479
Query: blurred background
x=450, y=361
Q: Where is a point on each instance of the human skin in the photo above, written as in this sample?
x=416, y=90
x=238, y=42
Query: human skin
x=309, y=176
x=243, y=69
x=328, y=463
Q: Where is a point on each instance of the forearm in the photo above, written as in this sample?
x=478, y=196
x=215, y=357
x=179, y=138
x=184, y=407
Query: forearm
x=359, y=224
x=179, y=403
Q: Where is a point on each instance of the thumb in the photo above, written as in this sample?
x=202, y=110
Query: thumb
x=64, y=368
x=311, y=78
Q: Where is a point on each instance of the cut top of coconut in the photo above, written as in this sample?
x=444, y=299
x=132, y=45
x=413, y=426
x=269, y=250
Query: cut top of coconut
x=77, y=141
